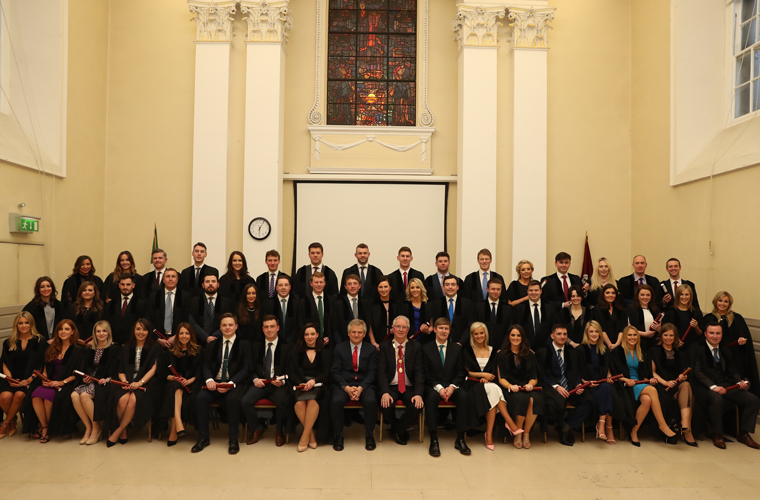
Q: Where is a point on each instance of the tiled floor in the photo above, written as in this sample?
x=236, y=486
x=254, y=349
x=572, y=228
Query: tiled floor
x=143, y=471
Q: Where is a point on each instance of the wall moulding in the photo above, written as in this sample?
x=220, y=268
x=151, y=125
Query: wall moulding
x=267, y=21
x=213, y=20
x=477, y=26
x=530, y=27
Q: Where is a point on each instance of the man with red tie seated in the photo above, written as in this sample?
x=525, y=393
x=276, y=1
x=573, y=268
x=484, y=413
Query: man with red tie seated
x=400, y=278
x=122, y=314
x=456, y=308
x=628, y=284
x=353, y=373
x=673, y=266
x=713, y=372
x=400, y=376
x=269, y=360
x=226, y=362
x=555, y=288
x=476, y=284
x=444, y=375
x=266, y=283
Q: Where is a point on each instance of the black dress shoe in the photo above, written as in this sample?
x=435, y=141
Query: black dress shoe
x=202, y=443
x=435, y=450
x=123, y=441
x=109, y=443
x=369, y=441
x=338, y=442
x=565, y=438
x=234, y=447
x=570, y=437
x=461, y=445
x=634, y=443
x=171, y=443
x=672, y=439
x=399, y=439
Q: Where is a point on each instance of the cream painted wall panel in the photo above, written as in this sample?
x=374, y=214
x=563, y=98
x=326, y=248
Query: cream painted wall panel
x=9, y=292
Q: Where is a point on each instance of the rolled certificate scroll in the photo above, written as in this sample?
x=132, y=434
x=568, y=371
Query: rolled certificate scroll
x=591, y=382
x=176, y=374
x=84, y=342
x=688, y=329
x=300, y=387
x=417, y=333
x=280, y=378
x=685, y=372
x=160, y=335
x=9, y=379
x=114, y=382
x=44, y=378
x=736, y=386
x=657, y=320
x=222, y=385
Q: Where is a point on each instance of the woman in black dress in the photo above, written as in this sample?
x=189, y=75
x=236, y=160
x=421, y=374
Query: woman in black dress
x=686, y=317
x=249, y=314
x=596, y=357
x=309, y=365
x=101, y=361
x=601, y=277
x=125, y=263
x=485, y=396
x=232, y=282
x=45, y=307
x=643, y=314
x=21, y=352
x=84, y=270
x=517, y=293
x=517, y=372
x=137, y=366
x=383, y=311
x=610, y=314
x=576, y=316
x=86, y=310
x=416, y=309
x=53, y=413
x=186, y=356
x=673, y=388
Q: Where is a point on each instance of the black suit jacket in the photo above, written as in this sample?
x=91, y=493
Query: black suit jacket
x=669, y=287
x=289, y=326
x=344, y=314
x=238, y=362
x=343, y=373
x=433, y=286
x=196, y=315
x=413, y=367
x=310, y=314
x=553, y=292
x=548, y=365
x=371, y=279
x=464, y=315
x=627, y=287
x=451, y=372
x=473, y=287
x=157, y=307
x=302, y=283
x=706, y=372
x=232, y=288
x=149, y=284
x=121, y=326
x=187, y=278
x=396, y=280
x=524, y=317
x=281, y=356
x=262, y=284
x=498, y=328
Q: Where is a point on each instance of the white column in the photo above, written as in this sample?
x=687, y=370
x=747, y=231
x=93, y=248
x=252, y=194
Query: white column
x=529, y=28
x=475, y=29
x=268, y=27
x=211, y=126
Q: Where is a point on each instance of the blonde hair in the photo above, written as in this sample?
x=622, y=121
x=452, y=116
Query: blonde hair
x=474, y=327
x=15, y=333
x=639, y=356
x=596, y=281
x=600, y=347
x=423, y=292
x=520, y=264
x=107, y=327
x=680, y=291
x=729, y=313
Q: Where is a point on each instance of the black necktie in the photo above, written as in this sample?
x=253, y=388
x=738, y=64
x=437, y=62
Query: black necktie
x=536, y=319
x=493, y=311
x=268, y=361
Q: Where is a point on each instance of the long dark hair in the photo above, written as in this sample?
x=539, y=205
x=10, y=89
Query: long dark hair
x=56, y=346
x=506, y=346
x=78, y=264
x=149, y=340
x=97, y=304
x=38, y=297
x=245, y=318
x=192, y=347
x=652, y=303
x=301, y=343
x=602, y=303
x=230, y=274
x=118, y=270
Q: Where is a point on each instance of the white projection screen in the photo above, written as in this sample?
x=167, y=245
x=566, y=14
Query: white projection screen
x=384, y=215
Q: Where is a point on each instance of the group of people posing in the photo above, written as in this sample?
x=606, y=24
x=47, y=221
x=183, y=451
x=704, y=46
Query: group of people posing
x=166, y=346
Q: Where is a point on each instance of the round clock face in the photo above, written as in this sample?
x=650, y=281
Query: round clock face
x=259, y=228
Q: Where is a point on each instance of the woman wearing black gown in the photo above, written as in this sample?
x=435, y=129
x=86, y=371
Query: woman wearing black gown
x=601, y=277
x=46, y=309
x=101, y=361
x=576, y=316
x=610, y=314
x=416, y=309
x=125, y=263
x=517, y=293
x=686, y=317
x=137, y=366
x=596, y=357
x=383, y=311
x=249, y=314
x=643, y=314
x=21, y=352
x=86, y=310
x=84, y=270
x=310, y=365
x=232, y=282
x=186, y=356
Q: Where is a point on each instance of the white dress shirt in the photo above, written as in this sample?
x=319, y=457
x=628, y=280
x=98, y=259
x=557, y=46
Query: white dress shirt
x=395, y=360
x=219, y=373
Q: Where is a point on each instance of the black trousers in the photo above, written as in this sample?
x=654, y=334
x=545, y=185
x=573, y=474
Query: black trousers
x=748, y=403
x=432, y=398
x=411, y=413
x=280, y=396
x=369, y=404
x=230, y=400
x=556, y=407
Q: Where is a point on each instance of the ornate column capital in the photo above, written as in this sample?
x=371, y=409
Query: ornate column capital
x=476, y=26
x=529, y=26
x=213, y=20
x=267, y=21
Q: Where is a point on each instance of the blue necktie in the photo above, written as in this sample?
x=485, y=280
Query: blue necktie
x=562, y=378
x=440, y=351
x=715, y=355
x=485, y=285
x=451, y=310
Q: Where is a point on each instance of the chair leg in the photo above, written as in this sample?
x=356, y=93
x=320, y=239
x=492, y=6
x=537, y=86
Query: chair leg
x=544, y=437
x=583, y=432
x=422, y=425
x=380, y=431
x=150, y=433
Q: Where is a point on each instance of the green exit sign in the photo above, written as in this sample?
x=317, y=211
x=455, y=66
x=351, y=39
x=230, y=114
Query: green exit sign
x=23, y=223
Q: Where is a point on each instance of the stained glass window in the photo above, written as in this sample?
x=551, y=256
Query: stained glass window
x=372, y=62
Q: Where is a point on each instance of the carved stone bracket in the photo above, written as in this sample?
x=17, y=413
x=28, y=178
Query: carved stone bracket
x=529, y=27
x=213, y=20
x=477, y=26
x=267, y=21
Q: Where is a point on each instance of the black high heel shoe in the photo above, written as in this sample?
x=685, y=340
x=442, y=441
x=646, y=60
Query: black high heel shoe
x=110, y=443
x=171, y=443
x=123, y=441
x=637, y=444
x=672, y=439
x=689, y=443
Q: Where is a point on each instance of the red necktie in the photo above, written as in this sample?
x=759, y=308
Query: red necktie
x=124, y=306
x=565, y=288
x=158, y=278
x=675, y=285
x=356, y=360
x=400, y=368
x=404, y=280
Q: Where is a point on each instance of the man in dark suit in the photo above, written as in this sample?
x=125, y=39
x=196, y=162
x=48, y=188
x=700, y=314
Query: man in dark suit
x=168, y=306
x=269, y=365
x=713, y=371
x=319, y=308
x=627, y=285
x=671, y=284
x=155, y=279
x=122, y=314
x=205, y=311
x=225, y=362
x=400, y=376
x=191, y=278
x=353, y=375
x=266, y=283
x=302, y=283
x=369, y=275
x=434, y=282
x=400, y=278
x=476, y=284
x=536, y=316
x=349, y=306
x=286, y=308
x=495, y=313
x=444, y=374
x=457, y=309
x=556, y=287
x=561, y=368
